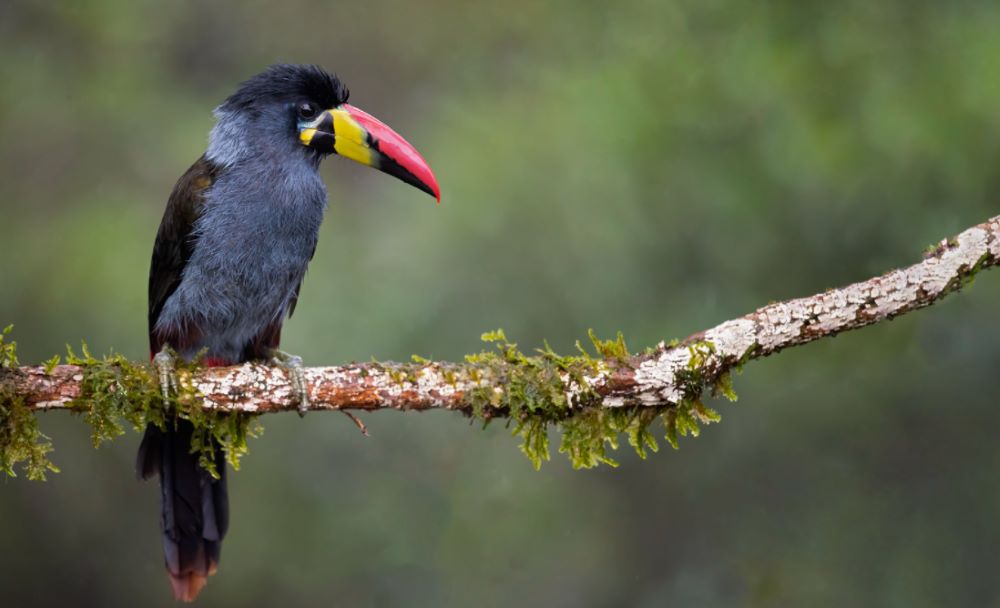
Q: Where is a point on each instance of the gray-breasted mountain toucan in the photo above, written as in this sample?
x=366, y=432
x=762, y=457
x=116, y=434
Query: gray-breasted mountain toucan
x=239, y=229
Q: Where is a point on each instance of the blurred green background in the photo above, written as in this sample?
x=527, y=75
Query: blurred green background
x=649, y=167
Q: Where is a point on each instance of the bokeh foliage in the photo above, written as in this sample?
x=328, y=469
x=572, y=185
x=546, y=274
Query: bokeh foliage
x=649, y=167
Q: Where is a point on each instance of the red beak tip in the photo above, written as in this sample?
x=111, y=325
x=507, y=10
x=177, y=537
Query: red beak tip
x=392, y=145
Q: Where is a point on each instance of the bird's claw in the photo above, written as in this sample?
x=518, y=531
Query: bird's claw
x=163, y=361
x=293, y=365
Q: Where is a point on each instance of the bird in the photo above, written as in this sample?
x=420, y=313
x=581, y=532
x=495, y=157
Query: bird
x=239, y=229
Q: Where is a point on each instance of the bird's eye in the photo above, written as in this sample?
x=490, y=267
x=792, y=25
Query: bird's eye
x=307, y=110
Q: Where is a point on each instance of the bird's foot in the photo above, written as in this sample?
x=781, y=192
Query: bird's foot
x=293, y=365
x=163, y=361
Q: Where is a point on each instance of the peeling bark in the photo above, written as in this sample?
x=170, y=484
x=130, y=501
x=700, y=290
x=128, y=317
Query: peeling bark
x=666, y=375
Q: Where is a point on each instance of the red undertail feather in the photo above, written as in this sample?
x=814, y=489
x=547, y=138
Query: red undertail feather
x=215, y=362
x=207, y=361
x=187, y=586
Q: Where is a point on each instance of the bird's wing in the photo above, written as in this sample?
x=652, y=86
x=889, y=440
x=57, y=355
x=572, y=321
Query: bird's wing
x=298, y=288
x=175, y=240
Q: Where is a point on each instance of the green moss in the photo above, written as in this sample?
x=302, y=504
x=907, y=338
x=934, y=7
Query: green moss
x=587, y=436
x=528, y=390
x=606, y=349
x=115, y=392
x=533, y=396
x=8, y=349
x=22, y=444
x=724, y=386
x=229, y=430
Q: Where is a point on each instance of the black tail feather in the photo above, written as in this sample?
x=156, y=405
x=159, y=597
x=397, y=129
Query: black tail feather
x=194, y=506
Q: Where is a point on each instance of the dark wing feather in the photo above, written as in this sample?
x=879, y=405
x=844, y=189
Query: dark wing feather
x=298, y=288
x=194, y=506
x=175, y=240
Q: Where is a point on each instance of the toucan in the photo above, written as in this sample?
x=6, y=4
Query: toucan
x=239, y=229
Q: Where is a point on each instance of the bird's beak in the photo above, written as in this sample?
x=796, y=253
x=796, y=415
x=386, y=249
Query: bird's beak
x=359, y=136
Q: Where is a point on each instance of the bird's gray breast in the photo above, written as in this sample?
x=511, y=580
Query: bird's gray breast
x=253, y=243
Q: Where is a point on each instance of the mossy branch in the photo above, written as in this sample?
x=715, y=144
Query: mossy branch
x=592, y=397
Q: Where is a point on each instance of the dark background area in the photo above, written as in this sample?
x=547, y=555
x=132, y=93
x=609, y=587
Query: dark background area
x=649, y=167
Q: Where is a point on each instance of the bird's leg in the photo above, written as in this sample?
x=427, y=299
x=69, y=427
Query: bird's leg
x=293, y=365
x=163, y=361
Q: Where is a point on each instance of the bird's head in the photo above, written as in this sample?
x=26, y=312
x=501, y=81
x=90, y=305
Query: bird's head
x=303, y=110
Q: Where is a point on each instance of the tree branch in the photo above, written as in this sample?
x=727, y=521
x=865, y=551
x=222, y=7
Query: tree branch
x=664, y=376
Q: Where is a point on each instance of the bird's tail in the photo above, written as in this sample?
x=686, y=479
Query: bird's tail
x=194, y=506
